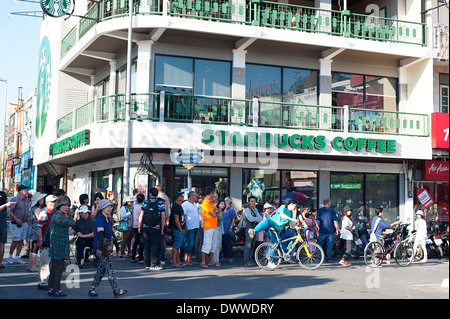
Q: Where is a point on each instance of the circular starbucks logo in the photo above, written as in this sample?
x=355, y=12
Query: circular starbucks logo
x=56, y=8
x=43, y=86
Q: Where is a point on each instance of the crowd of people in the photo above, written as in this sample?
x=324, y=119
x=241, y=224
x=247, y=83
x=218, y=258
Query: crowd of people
x=196, y=226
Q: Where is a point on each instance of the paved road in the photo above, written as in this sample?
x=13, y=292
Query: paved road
x=234, y=281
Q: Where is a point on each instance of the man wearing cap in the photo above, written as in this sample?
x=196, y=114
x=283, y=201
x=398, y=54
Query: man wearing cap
x=18, y=214
x=44, y=219
x=84, y=229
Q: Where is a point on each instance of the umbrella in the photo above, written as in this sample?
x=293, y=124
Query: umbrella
x=300, y=197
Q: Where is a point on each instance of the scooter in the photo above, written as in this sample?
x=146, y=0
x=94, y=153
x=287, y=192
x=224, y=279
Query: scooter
x=362, y=230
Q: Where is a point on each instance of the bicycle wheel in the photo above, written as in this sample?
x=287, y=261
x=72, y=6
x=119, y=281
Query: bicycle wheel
x=268, y=256
x=310, y=255
x=403, y=254
x=373, y=254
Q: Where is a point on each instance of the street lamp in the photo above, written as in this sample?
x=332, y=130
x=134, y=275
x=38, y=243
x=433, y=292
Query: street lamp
x=126, y=149
x=4, y=133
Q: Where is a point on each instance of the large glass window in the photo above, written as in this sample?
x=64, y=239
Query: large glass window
x=263, y=81
x=174, y=74
x=212, y=78
x=364, y=193
x=280, y=186
x=189, y=76
x=280, y=84
x=300, y=86
x=364, y=92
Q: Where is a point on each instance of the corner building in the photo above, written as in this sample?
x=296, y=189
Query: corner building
x=303, y=99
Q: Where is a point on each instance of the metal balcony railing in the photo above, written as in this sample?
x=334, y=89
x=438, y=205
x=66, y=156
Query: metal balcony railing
x=167, y=107
x=257, y=13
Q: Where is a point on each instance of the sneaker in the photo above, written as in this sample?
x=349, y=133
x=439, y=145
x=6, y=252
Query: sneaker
x=18, y=261
x=344, y=263
x=10, y=260
x=156, y=268
x=251, y=232
x=33, y=269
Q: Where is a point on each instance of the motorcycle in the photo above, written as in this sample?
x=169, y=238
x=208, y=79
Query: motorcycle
x=339, y=246
x=437, y=241
x=362, y=230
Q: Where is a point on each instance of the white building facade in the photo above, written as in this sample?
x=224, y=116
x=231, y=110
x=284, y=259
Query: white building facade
x=303, y=99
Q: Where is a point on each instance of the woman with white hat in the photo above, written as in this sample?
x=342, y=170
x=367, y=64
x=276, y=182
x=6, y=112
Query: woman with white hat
x=103, y=246
x=421, y=235
x=37, y=202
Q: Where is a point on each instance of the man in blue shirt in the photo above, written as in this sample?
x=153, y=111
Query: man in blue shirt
x=327, y=224
x=378, y=224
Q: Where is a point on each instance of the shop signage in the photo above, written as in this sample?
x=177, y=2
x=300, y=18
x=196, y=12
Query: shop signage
x=424, y=198
x=435, y=170
x=346, y=186
x=56, y=8
x=189, y=158
x=69, y=143
x=298, y=141
x=439, y=130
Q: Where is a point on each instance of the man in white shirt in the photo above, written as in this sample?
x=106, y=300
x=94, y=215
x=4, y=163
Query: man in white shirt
x=192, y=223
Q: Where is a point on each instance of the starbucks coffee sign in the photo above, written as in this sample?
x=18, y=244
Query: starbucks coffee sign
x=298, y=141
x=56, y=8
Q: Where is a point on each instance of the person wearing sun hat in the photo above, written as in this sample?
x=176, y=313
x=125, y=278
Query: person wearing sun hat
x=421, y=235
x=103, y=231
x=37, y=202
x=59, y=245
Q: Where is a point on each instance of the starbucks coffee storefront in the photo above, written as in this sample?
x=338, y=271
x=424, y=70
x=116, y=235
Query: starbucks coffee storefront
x=357, y=169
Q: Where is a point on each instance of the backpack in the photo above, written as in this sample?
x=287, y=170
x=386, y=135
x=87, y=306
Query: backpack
x=152, y=215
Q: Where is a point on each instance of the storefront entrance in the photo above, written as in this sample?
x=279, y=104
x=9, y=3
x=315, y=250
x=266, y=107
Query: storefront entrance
x=216, y=177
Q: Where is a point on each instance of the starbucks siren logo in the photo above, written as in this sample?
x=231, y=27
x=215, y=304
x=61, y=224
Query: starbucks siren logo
x=56, y=8
x=43, y=86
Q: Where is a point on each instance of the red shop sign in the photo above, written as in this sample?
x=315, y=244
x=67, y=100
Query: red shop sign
x=435, y=170
x=424, y=198
x=439, y=130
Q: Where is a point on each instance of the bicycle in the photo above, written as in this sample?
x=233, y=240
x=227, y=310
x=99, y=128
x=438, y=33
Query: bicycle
x=377, y=251
x=309, y=255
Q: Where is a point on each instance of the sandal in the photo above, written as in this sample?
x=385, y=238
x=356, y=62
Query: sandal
x=204, y=265
x=119, y=292
x=93, y=292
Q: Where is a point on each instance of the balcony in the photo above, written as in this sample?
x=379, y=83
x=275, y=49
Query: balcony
x=166, y=107
x=257, y=13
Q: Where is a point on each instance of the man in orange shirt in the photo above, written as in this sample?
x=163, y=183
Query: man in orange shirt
x=209, y=212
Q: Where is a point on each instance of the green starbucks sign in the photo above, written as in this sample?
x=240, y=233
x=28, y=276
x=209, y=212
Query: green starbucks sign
x=56, y=8
x=43, y=86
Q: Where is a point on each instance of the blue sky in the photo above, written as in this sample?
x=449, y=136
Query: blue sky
x=19, y=46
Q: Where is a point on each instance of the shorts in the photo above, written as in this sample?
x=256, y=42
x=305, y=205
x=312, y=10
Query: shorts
x=3, y=232
x=209, y=239
x=18, y=233
x=178, y=238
